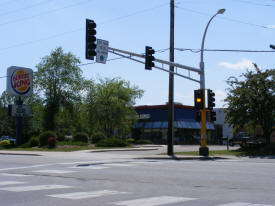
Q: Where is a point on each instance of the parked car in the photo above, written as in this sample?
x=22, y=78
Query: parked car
x=12, y=140
x=243, y=139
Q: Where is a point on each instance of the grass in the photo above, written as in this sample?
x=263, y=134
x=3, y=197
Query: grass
x=212, y=153
x=261, y=150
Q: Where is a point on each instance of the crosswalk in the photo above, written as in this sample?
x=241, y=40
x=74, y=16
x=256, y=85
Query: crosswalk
x=17, y=186
x=24, y=183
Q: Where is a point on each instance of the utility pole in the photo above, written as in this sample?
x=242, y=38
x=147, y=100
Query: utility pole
x=171, y=84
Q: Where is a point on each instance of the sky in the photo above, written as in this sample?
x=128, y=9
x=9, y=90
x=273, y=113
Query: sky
x=31, y=29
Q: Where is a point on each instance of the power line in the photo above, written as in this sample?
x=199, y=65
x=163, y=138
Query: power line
x=225, y=18
x=79, y=29
x=253, y=3
x=44, y=13
x=25, y=8
x=225, y=50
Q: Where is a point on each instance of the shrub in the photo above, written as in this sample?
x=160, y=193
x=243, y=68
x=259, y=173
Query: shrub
x=112, y=142
x=61, y=138
x=97, y=137
x=131, y=140
x=70, y=142
x=33, y=142
x=43, y=139
x=81, y=137
x=143, y=141
x=52, y=142
x=5, y=143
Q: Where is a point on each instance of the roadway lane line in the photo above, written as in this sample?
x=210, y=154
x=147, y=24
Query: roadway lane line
x=85, y=195
x=34, y=188
x=154, y=201
x=15, y=175
x=90, y=167
x=242, y=204
x=54, y=171
x=4, y=183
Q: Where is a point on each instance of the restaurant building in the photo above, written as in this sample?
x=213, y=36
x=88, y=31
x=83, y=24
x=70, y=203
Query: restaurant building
x=153, y=125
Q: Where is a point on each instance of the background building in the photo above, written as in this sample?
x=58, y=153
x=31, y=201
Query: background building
x=153, y=124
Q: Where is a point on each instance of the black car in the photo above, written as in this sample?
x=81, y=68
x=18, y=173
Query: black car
x=243, y=139
x=12, y=140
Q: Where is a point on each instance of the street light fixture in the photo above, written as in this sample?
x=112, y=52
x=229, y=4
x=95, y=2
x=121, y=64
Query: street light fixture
x=204, y=149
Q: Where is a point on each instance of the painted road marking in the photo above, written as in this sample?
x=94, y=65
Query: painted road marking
x=154, y=201
x=15, y=175
x=119, y=165
x=93, y=167
x=242, y=204
x=84, y=195
x=34, y=188
x=55, y=171
x=4, y=183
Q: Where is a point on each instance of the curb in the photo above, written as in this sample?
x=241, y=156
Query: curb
x=23, y=154
x=185, y=158
x=117, y=150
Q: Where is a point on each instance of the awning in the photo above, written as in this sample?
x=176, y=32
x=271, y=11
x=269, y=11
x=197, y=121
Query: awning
x=182, y=124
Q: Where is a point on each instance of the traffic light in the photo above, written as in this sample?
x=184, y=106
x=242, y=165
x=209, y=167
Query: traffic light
x=272, y=46
x=198, y=116
x=90, y=39
x=211, y=99
x=149, y=58
x=212, y=116
x=198, y=97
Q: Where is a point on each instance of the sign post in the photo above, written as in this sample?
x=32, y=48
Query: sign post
x=19, y=83
x=101, y=51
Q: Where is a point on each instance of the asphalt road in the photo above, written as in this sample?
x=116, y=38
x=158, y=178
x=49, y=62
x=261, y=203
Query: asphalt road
x=125, y=178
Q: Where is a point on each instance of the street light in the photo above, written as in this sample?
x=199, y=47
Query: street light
x=204, y=149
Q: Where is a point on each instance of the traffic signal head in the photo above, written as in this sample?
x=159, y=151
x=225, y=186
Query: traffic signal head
x=211, y=99
x=149, y=58
x=213, y=116
x=90, y=39
x=198, y=116
x=198, y=97
x=272, y=46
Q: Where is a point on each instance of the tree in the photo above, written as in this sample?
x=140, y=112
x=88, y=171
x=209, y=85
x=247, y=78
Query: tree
x=251, y=101
x=7, y=124
x=59, y=82
x=110, y=106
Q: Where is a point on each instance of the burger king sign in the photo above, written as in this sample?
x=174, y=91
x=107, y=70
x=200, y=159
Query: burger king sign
x=19, y=81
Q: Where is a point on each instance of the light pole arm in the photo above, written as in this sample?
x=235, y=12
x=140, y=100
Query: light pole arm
x=204, y=35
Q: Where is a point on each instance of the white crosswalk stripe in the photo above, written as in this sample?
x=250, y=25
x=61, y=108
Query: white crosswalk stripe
x=93, y=167
x=33, y=188
x=54, y=171
x=84, y=195
x=154, y=201
x=242, y=204
x=15, y=175
x=4, y=183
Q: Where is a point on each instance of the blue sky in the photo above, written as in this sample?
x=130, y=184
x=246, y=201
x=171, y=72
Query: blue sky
x=31, y=29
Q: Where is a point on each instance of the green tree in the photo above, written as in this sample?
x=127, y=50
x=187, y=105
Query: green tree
x=251, y=101
x=110, y=106
x=59, y=82
x=7, y=124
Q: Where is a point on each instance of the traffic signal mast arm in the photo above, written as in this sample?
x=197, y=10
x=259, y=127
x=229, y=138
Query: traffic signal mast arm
x=118, y=51
x=112, y=50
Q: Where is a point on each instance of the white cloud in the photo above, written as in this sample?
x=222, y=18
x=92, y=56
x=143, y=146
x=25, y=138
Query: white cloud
x=243, y=64
x=220, y=95
x=271, y=26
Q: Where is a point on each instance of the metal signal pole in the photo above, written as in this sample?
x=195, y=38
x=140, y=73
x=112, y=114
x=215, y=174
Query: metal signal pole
x=171, y=84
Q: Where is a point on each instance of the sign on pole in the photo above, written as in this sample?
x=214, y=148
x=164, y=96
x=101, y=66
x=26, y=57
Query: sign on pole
x=20, y=110
x=101, y=51
x=19, y=81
